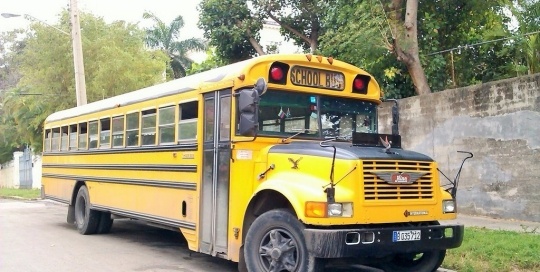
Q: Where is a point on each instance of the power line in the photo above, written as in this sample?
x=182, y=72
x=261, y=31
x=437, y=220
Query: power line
x=480, y=43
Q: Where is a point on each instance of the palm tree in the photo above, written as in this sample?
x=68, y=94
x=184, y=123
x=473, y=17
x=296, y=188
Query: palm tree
x=165, y=37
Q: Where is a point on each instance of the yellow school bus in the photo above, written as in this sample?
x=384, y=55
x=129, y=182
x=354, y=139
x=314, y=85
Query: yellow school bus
x=274, y=162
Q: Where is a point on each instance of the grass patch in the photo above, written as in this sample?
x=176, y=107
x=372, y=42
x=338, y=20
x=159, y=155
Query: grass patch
x=22, y=193
x=495, y=250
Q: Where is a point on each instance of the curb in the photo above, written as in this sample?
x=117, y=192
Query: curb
x=20, y=198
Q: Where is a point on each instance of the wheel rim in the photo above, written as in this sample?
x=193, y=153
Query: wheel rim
x=278, y=251
x=80, y=210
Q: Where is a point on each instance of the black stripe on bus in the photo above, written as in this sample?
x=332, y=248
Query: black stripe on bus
x=141, y=167
x=183, y=147
x=146, y=217
x=155, y=183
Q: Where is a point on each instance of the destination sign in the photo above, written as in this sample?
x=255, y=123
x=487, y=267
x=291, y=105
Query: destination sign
x=305, y=76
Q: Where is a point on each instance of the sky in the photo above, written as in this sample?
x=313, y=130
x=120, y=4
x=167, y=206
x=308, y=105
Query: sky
x=110, y=10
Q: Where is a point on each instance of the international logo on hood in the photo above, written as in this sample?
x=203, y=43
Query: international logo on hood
x=399, y=178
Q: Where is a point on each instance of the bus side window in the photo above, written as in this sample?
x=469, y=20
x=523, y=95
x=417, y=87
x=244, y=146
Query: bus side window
x=148, y=123
x=47, y=142
x=132, y=129
x=64, y=138
x=83, y=135
x=93, y=134
x=105, y=133
x=72, y=137
x=187, y=121
x=166, y=125
x=55, y=141
x=118, y=131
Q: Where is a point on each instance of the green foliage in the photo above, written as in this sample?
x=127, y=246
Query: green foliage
x=20, y=193
x=212, y=61
x=229, y=25
x=527, y=14
x=495, y=250
x=165, y=38
x=9, y=48
x=360, y=34
x=115, y=60
x=300, y=21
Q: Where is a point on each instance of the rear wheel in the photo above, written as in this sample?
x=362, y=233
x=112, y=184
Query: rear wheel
x=275, y=243
x=86, y=219
x=415, y=262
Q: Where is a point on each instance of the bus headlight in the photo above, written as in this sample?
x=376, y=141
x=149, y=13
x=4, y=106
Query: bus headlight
x=449, y=206
x=325, y=209
x=335, y=209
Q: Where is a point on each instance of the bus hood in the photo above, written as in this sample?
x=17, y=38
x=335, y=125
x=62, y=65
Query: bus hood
x=347, y=151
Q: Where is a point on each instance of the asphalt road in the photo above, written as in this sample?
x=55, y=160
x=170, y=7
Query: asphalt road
x=34, y=236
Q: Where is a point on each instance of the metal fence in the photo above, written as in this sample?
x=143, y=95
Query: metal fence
x=25, y=169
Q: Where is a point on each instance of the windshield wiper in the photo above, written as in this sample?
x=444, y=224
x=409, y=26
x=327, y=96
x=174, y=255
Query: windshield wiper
x=300, y=131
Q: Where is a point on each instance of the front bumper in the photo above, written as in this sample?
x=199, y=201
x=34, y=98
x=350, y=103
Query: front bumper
x=340, y=243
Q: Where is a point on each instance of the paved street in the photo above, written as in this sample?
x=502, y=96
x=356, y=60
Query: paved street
x=35, y=237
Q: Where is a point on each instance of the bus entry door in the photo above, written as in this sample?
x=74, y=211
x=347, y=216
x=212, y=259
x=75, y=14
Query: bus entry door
x=216, y=172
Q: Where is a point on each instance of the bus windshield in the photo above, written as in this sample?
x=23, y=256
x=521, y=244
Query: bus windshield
x=320, y=116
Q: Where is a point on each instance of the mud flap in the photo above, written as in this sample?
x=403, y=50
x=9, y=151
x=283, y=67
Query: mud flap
x=71, y=214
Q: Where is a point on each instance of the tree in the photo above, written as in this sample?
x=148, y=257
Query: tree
x=231, y=28
x=212, y=61
x=527, y=14
x=404, y=43
x=116, y=61
x=300, y=20
x=366, y=41
x=9, y=48
x=165, y=37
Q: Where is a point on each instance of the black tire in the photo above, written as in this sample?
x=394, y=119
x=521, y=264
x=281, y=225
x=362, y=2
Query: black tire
x=415, y=262
x=275, y=243
x=86, y=219
x=105, y=223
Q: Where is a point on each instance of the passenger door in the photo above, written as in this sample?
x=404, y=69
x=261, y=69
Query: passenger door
x=216, y=172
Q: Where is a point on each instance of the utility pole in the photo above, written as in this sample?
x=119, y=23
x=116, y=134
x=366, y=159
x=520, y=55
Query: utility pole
x=80, y=81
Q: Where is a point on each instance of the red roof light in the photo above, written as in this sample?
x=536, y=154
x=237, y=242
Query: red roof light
x=358, y=84
x=276, y=73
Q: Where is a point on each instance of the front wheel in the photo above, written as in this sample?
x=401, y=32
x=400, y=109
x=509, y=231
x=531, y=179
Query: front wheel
x=275, y=243
x=415, y=262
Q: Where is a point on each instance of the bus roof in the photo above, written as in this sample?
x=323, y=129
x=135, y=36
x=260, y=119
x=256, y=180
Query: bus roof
x=185, y=84
x=172, y=87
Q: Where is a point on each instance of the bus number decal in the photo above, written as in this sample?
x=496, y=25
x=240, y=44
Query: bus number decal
x=304, y=76
x=188, y=156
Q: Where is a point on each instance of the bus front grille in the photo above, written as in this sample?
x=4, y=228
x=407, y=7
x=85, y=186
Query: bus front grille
x=376, y=188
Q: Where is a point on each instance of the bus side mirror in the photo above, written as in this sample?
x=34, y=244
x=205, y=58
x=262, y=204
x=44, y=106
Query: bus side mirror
x=248, y=106
x=261, y=86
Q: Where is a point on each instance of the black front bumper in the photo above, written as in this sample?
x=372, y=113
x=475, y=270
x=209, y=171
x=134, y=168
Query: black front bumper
x=377, y=242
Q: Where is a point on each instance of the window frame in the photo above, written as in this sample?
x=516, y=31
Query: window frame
x=82, y=137
x=163, y=126
x=127, y=129
x=122, y=131
x=148, y=114
x=182, y=122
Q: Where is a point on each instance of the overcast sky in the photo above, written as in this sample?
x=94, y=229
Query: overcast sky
x=110, y=10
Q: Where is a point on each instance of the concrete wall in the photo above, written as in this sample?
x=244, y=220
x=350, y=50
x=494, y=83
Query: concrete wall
x=9, y=173
x=500, y=123
x=6, y=175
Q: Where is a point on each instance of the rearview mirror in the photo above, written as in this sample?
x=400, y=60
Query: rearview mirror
x=261, y=86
